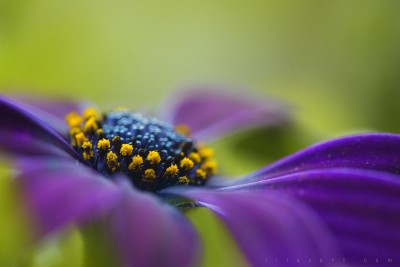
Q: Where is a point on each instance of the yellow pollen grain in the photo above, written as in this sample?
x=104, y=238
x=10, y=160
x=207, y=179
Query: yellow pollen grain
x=153, y=157
x=80, y=139
x=149, y=175
x=90, y=112
x=73, y=119
x=103, y=144
x=172, y=170
x=183, y=129
x=201, y=174
x=186, y=164
x=195, y=157
x=90, y=125
x=126, y=150
x=210, y=166
x=136, y=162
x=112, y=161
x=206, y=152
x=183, y=180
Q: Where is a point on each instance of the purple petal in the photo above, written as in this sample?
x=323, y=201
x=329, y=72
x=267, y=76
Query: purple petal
x=211, y=113
x=150, y=233
x=361, y=207
x=269, y=227
x=52, y=111
x=23, y=132
x=60, y=192
x=376, y=151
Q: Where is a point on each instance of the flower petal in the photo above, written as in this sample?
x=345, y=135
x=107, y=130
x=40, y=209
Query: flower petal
x=211, y=113
x=361, y=207
x=62, y=192
x=23, y=132
x=269, y=227
x=150, y=233
x=377, y=151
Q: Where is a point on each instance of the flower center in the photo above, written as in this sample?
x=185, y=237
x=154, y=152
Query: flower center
x=152, y=153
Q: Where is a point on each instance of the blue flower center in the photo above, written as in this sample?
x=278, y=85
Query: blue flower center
x=152, y=153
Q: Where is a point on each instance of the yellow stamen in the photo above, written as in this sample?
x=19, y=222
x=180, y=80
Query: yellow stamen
x=183, y=129
x=103, y=144
x=112, y=161
x=90, y=113
x=136, y=162
x=186, y=164
x=73, y=119
x=99, y=131
x=80, y=139
x=153, y=157
x=90, y=125
x=195, y=157
x=210, y=166
x=149, y=175
x=183, y=180
x=206, y=152
x=201, y=174
x=172, y=170
x=126, y=150
x=88, y=151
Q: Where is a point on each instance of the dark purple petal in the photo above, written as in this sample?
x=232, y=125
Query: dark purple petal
x=211, y=113
x=361, y=207
x=377, y=151
x=269, y=227
x=150, y=233
x=23, y=132
x=62, y=192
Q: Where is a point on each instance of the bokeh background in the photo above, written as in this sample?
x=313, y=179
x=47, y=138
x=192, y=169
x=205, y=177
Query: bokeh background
x=335, y=62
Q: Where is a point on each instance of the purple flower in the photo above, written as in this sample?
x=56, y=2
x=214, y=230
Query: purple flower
x=333, y=204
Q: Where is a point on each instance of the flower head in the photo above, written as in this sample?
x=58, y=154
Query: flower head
x=338, y=201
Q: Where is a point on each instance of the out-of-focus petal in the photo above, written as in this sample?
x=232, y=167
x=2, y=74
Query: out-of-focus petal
x=23, y=132
x=150, y=233
x=217, y=111
x=269, y=227
x=60, y=192
x=361, y=207
x=377, y=151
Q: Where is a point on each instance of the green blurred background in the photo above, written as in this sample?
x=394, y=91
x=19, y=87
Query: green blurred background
x=336, y=62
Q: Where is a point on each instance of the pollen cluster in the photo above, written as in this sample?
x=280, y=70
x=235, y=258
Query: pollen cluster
x=150, y=152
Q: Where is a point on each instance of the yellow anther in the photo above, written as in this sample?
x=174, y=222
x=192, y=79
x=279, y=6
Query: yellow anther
x=103, y=144
x=72, y=132
x=88, y=151
x=206, y=152
x=195, y=157
x=153, y=157
x=201, y=174
x=73, y=119
x=126, y=150
x=149, y=175
x=136, y=162
x=90, y=125
x=90, y=113
x=99, y=131
x=183, y=180
x=210, y=166
x=116, y=138
x=186, y=164
x=80, y=139
x=112, y=161
x=172, y=170
x=183, y=129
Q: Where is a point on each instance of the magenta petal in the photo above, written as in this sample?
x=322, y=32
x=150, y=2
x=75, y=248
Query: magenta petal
x=376, y=151
x=361, y=207
x=150, y=233
x=59, y=193
x=23, y=132
x=210, y=114
x=269, y=226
